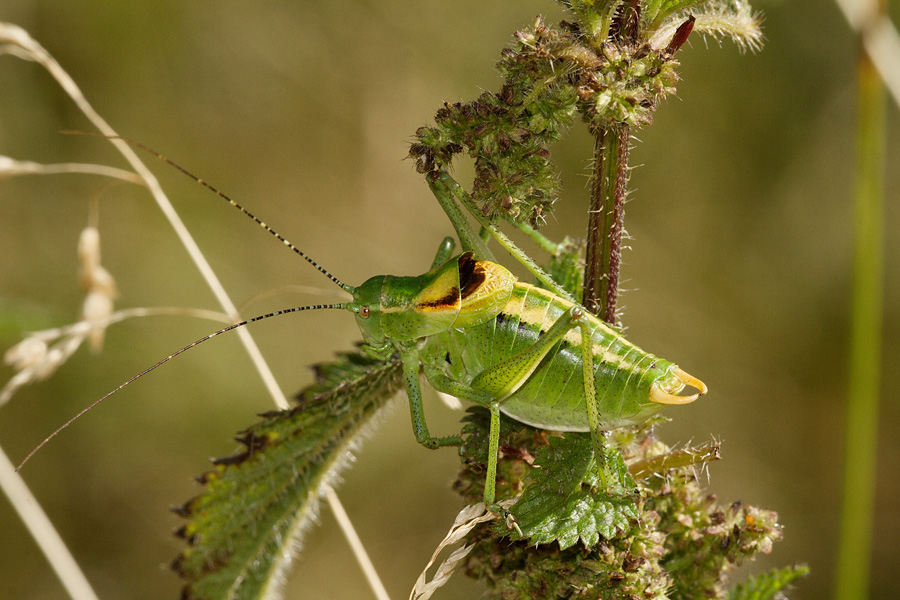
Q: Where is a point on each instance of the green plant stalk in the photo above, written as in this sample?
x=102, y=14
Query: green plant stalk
x=865, y=347
x=444, y=184
x=605, y=226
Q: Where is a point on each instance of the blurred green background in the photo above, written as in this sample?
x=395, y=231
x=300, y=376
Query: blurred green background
x=739, y=267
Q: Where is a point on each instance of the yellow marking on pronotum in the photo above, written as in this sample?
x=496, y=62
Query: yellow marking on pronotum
x=537, y=313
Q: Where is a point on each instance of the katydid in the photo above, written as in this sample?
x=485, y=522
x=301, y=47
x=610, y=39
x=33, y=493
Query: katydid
x=483, y=336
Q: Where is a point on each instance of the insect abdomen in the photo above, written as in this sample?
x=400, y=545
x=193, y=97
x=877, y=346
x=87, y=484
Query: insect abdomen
x=553, y=397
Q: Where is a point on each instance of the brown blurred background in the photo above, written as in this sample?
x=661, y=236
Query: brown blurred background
x=739, y=268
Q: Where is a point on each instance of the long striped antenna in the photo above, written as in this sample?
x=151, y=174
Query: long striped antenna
x=222, y=195
x=276, y=313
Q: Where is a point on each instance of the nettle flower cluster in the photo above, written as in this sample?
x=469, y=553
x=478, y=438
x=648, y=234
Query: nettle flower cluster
x=611, y=66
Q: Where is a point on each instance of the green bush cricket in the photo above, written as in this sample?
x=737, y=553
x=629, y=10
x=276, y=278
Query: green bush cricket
x=481, y=335
x=511, y=347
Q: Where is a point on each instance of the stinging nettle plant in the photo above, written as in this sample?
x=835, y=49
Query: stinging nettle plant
x=610, y=67
x=580, y=516
x=587, y=523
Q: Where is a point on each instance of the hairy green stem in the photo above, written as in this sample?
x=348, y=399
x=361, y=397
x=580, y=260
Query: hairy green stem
x=605, y=225
x=543, y=242
x=860, y=447
x=675, y=459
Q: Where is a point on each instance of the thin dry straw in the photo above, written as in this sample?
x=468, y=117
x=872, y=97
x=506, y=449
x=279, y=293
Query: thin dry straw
x=14, y=35
x=11, y=168
x=41, y=528
x=235, y=326
x=355, y=544
x=466, y=520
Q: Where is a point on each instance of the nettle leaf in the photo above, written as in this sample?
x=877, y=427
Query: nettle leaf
x=565, y=501
x=242, y=530
x=768, y=585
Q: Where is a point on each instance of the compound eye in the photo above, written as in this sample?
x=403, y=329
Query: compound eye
x=364, y=312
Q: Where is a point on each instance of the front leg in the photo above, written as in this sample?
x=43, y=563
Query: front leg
x=445, y=251
x=410, y=358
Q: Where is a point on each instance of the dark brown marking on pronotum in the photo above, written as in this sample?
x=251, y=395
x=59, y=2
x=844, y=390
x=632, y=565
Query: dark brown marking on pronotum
x=449, y=300
x=471, y=275
x=466, y=265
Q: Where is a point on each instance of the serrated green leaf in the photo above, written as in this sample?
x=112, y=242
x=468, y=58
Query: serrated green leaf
x=565, y=501
x=241, y=531
x=767, y=586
